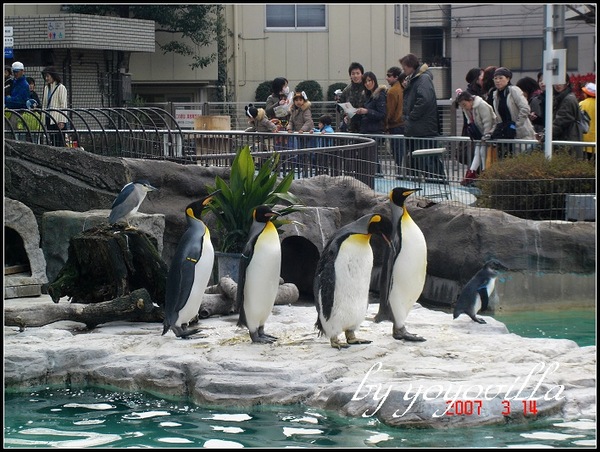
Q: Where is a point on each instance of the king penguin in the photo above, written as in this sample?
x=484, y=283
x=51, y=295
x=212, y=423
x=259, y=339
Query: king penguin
x=404, y=267
x=190, y=270
x=258, y=280
x=342, y=279
x=476, y=294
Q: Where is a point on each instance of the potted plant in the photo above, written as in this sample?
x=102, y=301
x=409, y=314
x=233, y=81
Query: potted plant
x=232, y=206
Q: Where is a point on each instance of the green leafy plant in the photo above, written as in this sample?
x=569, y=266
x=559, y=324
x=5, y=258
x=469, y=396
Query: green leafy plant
x=248, y=188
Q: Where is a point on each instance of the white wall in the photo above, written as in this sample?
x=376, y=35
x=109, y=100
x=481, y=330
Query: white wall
x=362, y=33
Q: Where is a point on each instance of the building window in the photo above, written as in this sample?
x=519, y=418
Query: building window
x=401, y=19
x=397, y=18
x=296, y=17
x=525, y=54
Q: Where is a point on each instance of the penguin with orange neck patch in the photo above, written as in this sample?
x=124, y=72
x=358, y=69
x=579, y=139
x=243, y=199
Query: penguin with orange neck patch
x=342, y=279
x=258, y=280
x=404, y=268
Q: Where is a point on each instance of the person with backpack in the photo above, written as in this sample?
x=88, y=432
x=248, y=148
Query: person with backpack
x=18, y=97
x=54, y=96
x=19, y=91
x=565, y=113
x=588, y=104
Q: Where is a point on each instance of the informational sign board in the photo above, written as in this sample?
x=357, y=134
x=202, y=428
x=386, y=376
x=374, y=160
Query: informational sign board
x=185, y=118
x=9, y=42
x=56, y=30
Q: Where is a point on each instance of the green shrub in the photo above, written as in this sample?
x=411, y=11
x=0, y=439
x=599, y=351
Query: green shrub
x=533, y=187
x=333, y=87
x=313, y=90
x=262, y=91
x=248, y=187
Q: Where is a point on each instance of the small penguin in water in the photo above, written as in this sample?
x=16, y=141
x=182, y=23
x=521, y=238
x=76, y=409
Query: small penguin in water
x=404, y=267
x=190, y=270
x=476, y=294
x=258, y=280
x=129, y=200
x=342, y=278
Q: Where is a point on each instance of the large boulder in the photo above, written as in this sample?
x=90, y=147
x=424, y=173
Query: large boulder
x=20, y=228
x=47, y=179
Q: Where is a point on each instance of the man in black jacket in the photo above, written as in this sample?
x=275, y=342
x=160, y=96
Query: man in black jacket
x=420, y=109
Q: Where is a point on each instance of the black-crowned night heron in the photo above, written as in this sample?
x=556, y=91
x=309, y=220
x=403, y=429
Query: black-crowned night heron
x=129, y=201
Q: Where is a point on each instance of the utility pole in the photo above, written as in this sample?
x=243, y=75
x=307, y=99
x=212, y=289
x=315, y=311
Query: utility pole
x=555, y=62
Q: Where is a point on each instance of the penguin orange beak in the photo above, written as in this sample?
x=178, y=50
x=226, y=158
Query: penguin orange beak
x=210, y=197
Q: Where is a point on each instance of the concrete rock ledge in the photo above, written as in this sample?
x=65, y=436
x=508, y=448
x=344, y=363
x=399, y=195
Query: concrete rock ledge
x=460, y=376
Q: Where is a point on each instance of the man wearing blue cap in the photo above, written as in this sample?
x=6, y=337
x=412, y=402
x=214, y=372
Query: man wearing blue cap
x=19, y=95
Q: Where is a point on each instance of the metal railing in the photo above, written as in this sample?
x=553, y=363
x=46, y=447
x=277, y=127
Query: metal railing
x=449, y=117
x=379, y=161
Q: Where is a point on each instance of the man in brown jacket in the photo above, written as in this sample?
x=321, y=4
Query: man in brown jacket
x=394, y=122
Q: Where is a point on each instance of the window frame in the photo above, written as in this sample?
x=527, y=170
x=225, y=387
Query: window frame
x=525, y=65
x=401, y=23
x=296, y=27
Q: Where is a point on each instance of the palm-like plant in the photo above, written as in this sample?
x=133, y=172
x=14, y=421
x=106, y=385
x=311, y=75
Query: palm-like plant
x=248, y=188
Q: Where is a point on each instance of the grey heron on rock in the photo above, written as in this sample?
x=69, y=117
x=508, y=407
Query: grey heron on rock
x=129, y=201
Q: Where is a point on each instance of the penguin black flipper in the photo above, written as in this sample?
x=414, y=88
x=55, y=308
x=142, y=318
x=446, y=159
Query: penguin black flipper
x=239, y=298
x=385, y=278
x=244, y=262
x=485, y=299
x=180, y=280
x=325, y=272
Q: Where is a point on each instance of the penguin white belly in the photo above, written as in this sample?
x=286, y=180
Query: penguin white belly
x=202, y=272
x=410, y=269
x=490, y=286
x=262, y=278
x=477, y=303
x=353, y=266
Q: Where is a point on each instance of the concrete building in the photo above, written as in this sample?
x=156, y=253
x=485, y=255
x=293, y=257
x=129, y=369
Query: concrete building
x=297, y=41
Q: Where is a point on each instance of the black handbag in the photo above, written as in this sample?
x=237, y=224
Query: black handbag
x=474, y=132
x=505, y=130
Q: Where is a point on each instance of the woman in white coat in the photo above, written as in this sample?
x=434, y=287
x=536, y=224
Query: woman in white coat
x=54, y=97
x=481, y=120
